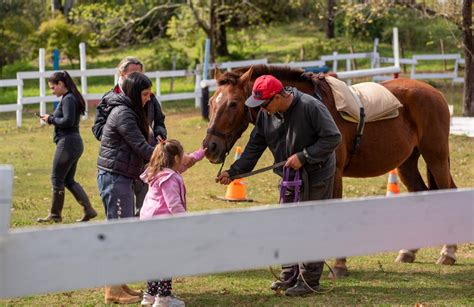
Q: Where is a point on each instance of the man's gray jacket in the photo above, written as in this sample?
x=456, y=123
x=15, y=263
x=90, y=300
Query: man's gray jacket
x=306, y=129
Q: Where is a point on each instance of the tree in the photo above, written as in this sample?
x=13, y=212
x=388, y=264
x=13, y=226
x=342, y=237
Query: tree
x=18, y=20
x=215, y=29
x=215, y=16
x=468, y=105
x=57, y=6
x=330, y=28
x=57, y=33
x=450, y=11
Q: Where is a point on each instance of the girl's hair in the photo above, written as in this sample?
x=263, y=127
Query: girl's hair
x=122, y=66
x=133, y=86
x=164, y=156
x=70, y=85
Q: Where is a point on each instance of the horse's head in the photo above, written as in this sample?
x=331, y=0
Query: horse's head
x=228, y=115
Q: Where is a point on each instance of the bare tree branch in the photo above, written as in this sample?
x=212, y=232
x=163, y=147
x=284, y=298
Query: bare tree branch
x=201, y=22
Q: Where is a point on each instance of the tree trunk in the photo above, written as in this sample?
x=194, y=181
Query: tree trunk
x=468, y=106
x=221, y=35
x=56, y=6
x=67, y=7
x=212, y=28
x=330, y=20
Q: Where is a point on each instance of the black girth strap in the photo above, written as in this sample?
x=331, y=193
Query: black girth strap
x=360, y=131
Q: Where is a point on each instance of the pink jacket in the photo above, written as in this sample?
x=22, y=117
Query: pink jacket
x=166, y=192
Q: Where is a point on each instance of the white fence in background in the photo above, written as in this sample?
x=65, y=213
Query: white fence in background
x=75, y=256
x=375, y=70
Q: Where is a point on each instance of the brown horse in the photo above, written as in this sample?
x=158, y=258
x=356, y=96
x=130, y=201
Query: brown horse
x=422, y=128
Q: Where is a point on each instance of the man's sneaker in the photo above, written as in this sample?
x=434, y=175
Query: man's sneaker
x=300, y=289
x=148, y=299
x=279, y=285
x=168, y=301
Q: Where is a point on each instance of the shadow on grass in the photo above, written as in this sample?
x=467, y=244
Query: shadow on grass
x=251, y=288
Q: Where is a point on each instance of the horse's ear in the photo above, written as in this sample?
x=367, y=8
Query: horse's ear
x=217, y=73
x=247, y=76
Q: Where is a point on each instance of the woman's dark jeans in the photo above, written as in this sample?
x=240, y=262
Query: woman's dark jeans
x=117, y=194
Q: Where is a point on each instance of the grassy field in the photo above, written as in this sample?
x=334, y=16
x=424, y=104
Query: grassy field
x=374, y=279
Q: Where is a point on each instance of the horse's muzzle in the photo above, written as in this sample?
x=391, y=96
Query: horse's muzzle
x=215, y=152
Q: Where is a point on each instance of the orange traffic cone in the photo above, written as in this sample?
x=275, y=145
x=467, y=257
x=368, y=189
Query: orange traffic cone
x=237, y=189
x=392, y=185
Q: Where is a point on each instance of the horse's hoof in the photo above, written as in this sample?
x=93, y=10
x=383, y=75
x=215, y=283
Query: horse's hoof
x=405, y=258
x=446, y=260
x=339, y=272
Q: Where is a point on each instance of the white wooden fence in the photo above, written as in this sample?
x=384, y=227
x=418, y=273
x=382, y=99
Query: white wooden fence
x=375, y=70
x=75, y=256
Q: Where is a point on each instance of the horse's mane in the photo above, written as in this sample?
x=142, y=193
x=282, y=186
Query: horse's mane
x=280, y=72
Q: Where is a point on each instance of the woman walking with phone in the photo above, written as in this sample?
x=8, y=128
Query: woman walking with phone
x=69, y=147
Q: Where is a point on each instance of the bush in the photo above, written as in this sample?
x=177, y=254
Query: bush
x=419, y=33
x=57, y=33
x=162, y=58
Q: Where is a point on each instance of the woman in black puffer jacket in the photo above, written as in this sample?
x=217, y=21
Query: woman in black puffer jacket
x=124, y=146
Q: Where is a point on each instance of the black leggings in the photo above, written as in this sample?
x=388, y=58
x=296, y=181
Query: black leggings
x=68, y=151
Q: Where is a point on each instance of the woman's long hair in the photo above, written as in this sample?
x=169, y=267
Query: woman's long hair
x=64, y=77
x=133, y=86
x=164, y=156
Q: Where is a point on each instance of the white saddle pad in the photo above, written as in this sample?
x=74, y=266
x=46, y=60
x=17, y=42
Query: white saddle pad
x=379, y=103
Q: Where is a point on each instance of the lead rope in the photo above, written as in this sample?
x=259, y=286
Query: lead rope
x=222, y=165
x=296, y=183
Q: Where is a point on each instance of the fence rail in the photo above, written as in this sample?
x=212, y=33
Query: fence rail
x=228, y=240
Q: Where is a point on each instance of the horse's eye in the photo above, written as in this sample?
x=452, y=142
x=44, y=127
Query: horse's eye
x=232, y=104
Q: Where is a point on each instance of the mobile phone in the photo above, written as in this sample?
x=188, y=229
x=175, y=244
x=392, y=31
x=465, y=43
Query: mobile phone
x=37, y=114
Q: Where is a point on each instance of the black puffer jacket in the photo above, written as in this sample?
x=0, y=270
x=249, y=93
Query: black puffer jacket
x=123, y=148
x=155, y=116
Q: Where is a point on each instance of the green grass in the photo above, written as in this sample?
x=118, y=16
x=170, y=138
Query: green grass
x=374, y=279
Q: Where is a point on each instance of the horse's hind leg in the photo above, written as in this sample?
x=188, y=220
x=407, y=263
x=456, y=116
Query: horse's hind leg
x=340, y=268
x=439, y=177
x=411, y=178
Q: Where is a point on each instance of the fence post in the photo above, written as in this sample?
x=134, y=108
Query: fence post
x=82, y=56
x=334, y=63
x=396, y=52
x=6, y=197
x=158, y=88
x=55, y=67
x=42, y=83
x=374, y=60
x=19, y=100
x=205, y=102
x=197, y=86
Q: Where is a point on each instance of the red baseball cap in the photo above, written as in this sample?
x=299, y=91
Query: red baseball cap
x=264, y=88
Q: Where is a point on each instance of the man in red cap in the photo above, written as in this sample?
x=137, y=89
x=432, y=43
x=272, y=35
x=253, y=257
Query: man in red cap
x=298, y=128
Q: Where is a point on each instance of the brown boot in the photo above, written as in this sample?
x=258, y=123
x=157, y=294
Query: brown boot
x=131, y=291
x=116, y=294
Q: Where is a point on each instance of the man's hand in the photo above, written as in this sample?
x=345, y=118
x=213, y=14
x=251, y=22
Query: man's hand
x=224, y=178
x=293, y=162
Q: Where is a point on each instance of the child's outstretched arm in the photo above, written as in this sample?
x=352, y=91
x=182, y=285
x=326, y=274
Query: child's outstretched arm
x=191, y=159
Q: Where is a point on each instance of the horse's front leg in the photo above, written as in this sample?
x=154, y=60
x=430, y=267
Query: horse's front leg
x=339, y=268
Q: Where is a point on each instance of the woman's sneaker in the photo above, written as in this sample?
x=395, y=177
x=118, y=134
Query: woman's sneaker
x=148, y=299
x=168, y=301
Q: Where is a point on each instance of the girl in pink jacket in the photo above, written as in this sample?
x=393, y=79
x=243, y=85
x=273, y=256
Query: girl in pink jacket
x=166, y=195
